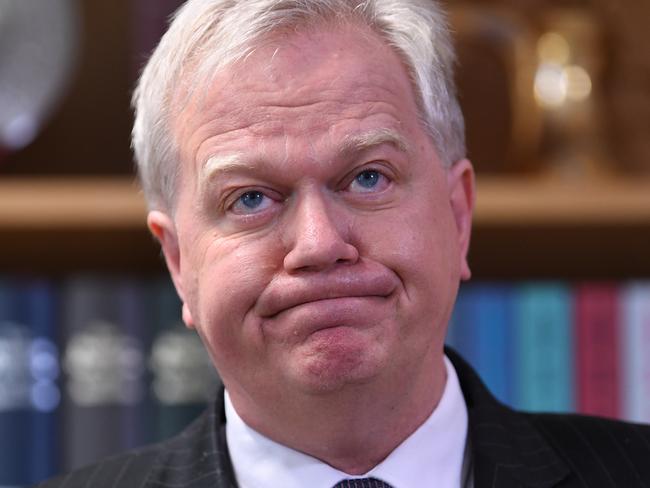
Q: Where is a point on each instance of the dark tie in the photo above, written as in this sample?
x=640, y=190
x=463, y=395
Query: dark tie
x=362, y=483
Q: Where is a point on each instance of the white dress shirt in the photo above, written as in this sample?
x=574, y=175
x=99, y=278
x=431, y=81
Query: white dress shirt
x=433, y=453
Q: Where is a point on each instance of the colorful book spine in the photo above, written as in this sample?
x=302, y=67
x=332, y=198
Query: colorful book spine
x=15, y=382
x=495, y=306
x=481, y=332
x=461, y=334
x=183, y=377
x=543, y=335
x=104, y=364
x=40, y=310
x=635, y=352
x=597, y=335
x=29, y=393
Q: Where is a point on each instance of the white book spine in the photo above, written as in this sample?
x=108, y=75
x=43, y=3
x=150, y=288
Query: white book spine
x=636, y=352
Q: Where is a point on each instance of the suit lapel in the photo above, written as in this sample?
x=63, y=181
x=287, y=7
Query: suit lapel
x=507, y=450
x=198, y=457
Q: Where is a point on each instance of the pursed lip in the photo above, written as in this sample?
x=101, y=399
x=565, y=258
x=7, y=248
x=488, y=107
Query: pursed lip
x=286, y=292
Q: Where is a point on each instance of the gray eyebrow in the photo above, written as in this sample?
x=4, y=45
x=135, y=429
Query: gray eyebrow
x=366, y=140
x=222, y=163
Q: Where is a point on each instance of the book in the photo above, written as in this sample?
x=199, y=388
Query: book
x=105, y=367
x=461, y=334
x=15, y=384
x=597, y=336
x=183, y=377
x=481, y=332
x=543, y=348
x=40, y=310
x=634, y=347
x=29, y=391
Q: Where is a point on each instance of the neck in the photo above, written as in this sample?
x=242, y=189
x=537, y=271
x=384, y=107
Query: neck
x=351, y=430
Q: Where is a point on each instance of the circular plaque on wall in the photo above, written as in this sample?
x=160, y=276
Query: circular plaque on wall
x=38, y=47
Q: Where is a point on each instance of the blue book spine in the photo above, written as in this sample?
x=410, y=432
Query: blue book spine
x=462, y=329
x=635, y=345
x=14, y=391
x=40, y=311
x=480, y=331
x=494, y=324
x=28, y=389
x=544, y=347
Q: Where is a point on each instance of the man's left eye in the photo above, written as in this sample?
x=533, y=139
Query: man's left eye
x=251, y=202
x=369, y=180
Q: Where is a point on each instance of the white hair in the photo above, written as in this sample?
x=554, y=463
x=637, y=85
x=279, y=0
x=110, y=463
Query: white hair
x=207, y=35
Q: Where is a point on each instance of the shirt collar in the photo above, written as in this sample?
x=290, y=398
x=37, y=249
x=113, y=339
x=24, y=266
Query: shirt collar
x=434, y=452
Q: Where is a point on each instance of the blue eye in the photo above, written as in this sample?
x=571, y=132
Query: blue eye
x=368, y=179
x=252, y=199
x=251, y=202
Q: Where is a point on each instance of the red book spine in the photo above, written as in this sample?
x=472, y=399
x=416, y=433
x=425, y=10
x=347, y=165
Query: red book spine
x=597, y=316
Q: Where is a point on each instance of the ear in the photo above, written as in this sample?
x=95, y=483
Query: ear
x=462, y=194
x=162, y=227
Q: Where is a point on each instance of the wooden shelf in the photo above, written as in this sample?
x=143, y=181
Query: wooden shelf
x=546, y=201
x=52, y=204
x=523, y=227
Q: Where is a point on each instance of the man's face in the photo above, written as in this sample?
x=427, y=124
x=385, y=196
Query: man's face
x=317, y=241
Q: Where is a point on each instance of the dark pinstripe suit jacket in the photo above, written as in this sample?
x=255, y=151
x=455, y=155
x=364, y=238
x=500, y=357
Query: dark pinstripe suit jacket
x=509, y=449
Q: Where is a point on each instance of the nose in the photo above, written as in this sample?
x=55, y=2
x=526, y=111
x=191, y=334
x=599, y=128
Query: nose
x=318, y=237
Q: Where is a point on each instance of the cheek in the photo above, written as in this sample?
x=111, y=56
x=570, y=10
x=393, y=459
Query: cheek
x=412, y=238
x=229, y=276
x=419, y=245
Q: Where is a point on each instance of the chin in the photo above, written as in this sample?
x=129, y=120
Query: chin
x=333, y=364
